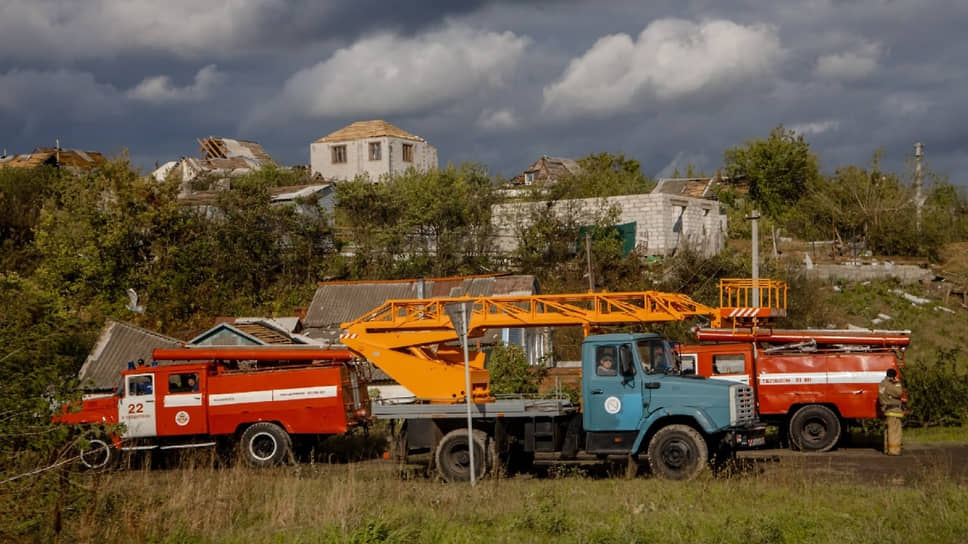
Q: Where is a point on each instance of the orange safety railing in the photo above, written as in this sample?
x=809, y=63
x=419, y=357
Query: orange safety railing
x=738, y=293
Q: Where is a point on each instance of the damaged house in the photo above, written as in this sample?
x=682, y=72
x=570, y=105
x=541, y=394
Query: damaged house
x=220, y=159
x=73, y=160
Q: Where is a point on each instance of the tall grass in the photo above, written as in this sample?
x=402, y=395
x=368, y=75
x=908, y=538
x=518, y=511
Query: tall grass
x=370, y=503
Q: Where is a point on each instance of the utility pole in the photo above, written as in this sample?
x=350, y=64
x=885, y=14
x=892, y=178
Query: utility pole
x=918, y=198
x=588, y=258
x=458, y=314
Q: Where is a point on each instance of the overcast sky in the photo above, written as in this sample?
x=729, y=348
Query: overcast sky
x=500, y=83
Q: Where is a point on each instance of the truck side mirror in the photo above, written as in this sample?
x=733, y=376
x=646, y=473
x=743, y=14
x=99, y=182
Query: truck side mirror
x=626, y=368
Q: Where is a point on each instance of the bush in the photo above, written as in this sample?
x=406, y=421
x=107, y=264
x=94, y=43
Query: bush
x=938, y=392
x=510, y=372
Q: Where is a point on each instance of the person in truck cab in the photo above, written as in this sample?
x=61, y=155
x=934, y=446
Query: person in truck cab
x=192, y=384
x=606, y=367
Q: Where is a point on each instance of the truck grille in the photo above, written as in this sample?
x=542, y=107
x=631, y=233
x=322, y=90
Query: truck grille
x=742, y=405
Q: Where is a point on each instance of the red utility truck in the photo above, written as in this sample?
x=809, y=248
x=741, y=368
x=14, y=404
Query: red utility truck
x=809, y=383
x=279, y=394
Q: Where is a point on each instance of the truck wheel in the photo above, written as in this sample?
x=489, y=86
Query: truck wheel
x=678, y=452
x=265, y=445
x=814, y=428
x=453, y=458
x=99, y=454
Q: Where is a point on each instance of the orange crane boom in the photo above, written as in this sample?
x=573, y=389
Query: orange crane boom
x=407, y=338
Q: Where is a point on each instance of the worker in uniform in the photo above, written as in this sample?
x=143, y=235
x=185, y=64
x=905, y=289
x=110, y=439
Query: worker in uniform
x=889, y=394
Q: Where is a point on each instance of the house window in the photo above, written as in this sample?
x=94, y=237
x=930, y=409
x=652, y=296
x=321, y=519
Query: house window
x=374, y=151
x=339, y=154
x=528, y=178
x=407, y=152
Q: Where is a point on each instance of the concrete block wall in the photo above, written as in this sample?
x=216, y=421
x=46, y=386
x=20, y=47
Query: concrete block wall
x=663, y=223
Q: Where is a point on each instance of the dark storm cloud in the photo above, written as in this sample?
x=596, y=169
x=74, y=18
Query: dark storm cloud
x=501, y=83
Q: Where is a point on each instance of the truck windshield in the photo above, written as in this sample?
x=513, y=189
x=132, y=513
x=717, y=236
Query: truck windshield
x=656, y=356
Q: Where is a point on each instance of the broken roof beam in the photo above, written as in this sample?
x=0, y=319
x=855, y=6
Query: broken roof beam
x=211, y=148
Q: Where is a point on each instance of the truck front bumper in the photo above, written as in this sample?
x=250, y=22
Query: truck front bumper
x=746, y=437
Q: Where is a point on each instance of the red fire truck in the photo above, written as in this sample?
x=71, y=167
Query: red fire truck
x=809, y=383
x=258, y=398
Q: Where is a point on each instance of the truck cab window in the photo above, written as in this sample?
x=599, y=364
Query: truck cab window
x=183, y=383
x=626, y=361
x=606, y=361
x=655, y=356
x=140, y=385
x=729, y=364
x=687, y=363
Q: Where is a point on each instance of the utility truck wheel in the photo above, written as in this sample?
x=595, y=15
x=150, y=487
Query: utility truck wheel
x=453, y=458
x=814, y=428
x=265, y=445
x=678, y=452
x=99, y=454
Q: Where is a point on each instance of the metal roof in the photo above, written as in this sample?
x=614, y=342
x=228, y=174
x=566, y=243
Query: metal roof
x=691, y=187
x=259, y=329
x=368, y=129
x=337, y=302
x=548, y=170
x=70, y=158
x=119, y=343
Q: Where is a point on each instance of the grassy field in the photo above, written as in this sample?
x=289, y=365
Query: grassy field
x=369, y=503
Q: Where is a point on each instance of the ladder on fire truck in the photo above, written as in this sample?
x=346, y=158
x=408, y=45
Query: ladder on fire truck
x=749, y=321
x=408, y=339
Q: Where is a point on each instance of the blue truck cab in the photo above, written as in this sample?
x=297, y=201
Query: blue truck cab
x=634, y=401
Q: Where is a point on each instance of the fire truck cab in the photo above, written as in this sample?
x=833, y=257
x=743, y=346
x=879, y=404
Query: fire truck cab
x=809, y=384
x=203, y=404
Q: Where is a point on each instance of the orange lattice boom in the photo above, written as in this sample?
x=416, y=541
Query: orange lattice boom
x=406, y=338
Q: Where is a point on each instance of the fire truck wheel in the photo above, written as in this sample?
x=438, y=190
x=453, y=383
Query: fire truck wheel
x=453, y=456
x=265, y=445
x=814, y=428
x=99, y=454
x=678, y=452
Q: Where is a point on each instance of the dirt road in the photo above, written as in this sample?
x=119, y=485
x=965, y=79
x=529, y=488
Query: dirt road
x=918, y=463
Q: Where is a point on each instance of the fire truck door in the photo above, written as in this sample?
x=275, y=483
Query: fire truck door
x=137, y=407
x=182, y=409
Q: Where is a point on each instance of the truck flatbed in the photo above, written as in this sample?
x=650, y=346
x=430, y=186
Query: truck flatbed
x=517, y=407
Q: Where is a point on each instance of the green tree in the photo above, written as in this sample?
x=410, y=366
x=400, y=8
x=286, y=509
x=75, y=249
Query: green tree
x=42, y=349
x=510, y=373
x=96, y=235
x=22, y=194
x=418, y=223
x=877, y=208
x=550, y=244
x=601, y=175
x=777, y=169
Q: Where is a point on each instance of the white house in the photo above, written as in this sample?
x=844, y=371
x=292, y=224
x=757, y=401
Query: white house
x=375, y=148
x=658, y=223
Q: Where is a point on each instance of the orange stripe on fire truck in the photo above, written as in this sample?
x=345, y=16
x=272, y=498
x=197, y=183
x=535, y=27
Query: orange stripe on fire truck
x=272, y=395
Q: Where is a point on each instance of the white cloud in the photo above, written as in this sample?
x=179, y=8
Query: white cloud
x=158, y=89
x=850, y=65
x=497, y=120
x=671, y=59
x=815, y=127
x=390, y=74
x=32, y=29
